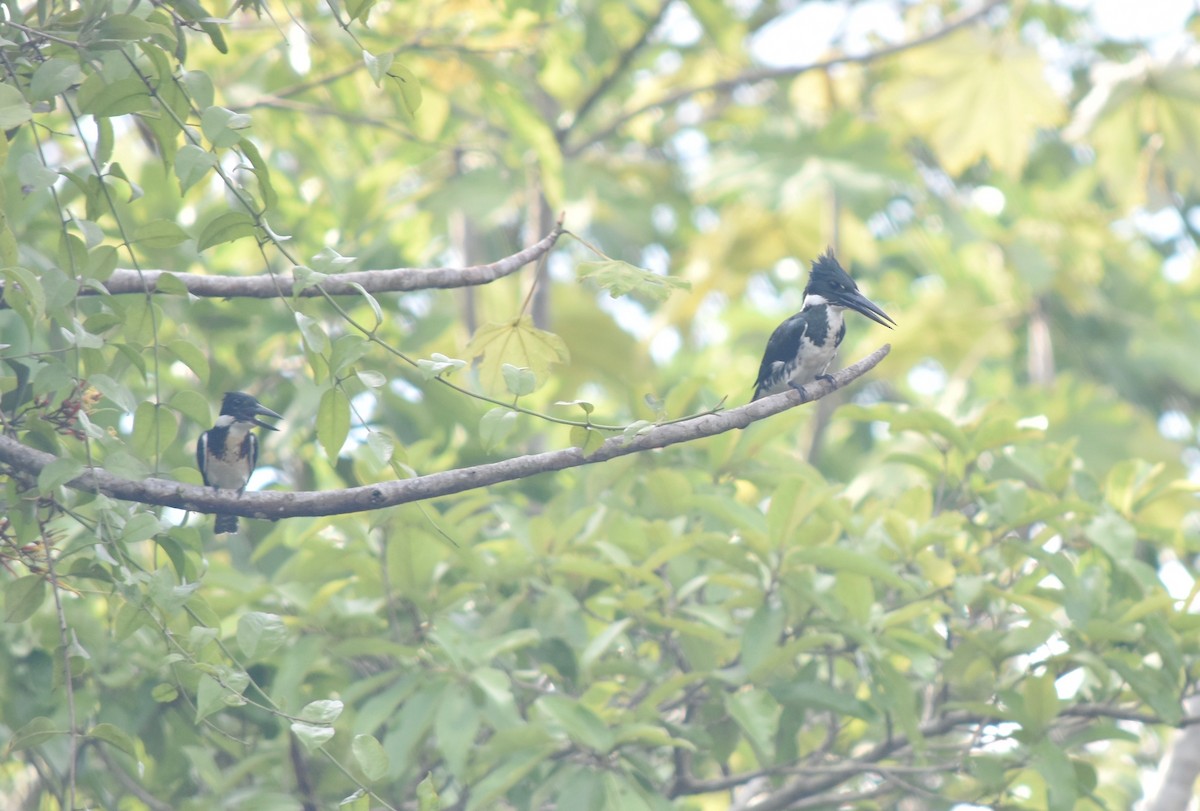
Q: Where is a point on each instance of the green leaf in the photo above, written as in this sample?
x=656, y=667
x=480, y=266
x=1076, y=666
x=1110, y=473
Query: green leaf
x=191, y=165
x=427, y=796
x=346, y=350
x=23, y=292
x=358, y=9
x=455, y=725
x=164, y=693
x=372, y=302
x=193, y=405
x=507, y=774
x=225, y=228
x=601, y=642
x=312, y=736
x=371, y=379
x=130, y=28
x=23, y=596
x=58, y=473
x=112, y=734
x=261, y=171
x=1059, y=773
x=518, y=343
x=14, y=110
x=496, y=426
x=116, y=392
x=792, y=503
x=371, y=757
x=382, y=446
x=404, y=82
x=121, y=97
x=209, y=697
x=324, y=711
x=35, y=733
x=223, y=128
x=260, y=634
x=586, y=439
x=580, y=724
x=757, y=715
x=621, y=279
x=437, y=365
x=193, y=357
x=154, y=430
x=520, y=381
x=313, y=333
x=838, y=559
x=160, y=234
x=53, y=77
x=377, y=66
x=1041, y=704
x=587, y=407
x=1154, y=687
x=762, y=635
x=1114, y=535
x=34, y=174
x=821, y=696
x=333, y=422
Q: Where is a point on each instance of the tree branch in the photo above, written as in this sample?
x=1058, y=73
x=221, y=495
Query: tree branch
x=811, y=785
x=773, y=74
x=393, y=280
x=609, y=80
x=275, y=505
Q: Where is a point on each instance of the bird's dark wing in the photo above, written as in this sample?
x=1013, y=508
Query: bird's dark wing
x=251, y=454
x=781, y=350
x=202, y=456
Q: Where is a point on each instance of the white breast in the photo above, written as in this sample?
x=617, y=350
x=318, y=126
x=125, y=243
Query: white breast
x=812, y=360
x=226, y=471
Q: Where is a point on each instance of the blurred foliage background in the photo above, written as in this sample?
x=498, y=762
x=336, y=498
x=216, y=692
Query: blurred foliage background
x=966, y=581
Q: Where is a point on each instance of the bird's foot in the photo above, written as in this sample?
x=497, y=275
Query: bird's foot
x=825, y=377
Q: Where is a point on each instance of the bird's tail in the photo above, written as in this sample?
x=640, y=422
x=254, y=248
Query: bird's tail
x=225, y=523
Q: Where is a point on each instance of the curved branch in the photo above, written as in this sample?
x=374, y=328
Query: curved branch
x=771, y=74
x=274, y=504
x=392, y=280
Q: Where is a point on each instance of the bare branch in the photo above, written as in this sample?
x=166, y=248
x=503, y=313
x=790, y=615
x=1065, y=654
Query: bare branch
x=392, y=280
x=275, y=505
x=774, y=74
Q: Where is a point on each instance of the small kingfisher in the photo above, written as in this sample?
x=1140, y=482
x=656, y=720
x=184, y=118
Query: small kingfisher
x=802, y=347
x=227, y=453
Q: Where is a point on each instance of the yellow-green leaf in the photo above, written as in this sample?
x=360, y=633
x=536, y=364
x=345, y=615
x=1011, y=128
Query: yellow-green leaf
x=973, y=96
x=519, y=343
x=621, y=278
x=371, y=757
x=333, y=422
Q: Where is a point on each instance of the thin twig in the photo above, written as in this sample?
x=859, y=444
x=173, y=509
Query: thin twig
x=774, y=74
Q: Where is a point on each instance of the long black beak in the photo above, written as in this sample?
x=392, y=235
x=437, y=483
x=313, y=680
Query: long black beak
x=266, y=412
x=861, y=304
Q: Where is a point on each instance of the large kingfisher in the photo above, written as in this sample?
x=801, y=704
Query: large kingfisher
x=228, y=452
x=802, y=347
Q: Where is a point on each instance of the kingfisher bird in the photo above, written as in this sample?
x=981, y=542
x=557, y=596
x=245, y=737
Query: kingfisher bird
x=227, y=453
x=802, y=347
